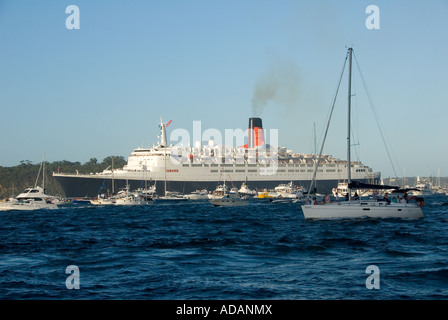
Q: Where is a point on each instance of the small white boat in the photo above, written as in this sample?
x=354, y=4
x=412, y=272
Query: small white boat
x=127, y=198
x=197, y=195
x=30, y=199
x=341, y=191
x=220, y=192
x=103, y=200
x=132, y=200
x=229, y=201
x=246, y=191
x=289, y=191
x=104, y=197
x=280, y=200
x=170, y=198
x=424, y=188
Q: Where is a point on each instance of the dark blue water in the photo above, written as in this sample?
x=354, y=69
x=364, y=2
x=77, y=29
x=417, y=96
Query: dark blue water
x=196, y=251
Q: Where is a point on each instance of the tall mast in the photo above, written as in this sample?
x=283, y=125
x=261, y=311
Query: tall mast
x=349, y=175
x=164, y=169
x=113, y=180
x=43, y=172
x=162, y=144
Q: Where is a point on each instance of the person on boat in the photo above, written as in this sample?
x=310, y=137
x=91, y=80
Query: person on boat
x=327, y=198
x=346, y=196
x=386, y=198
x=405, y=197
x=356, y=197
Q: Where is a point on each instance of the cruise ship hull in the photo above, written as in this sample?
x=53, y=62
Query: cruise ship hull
x=90, y=186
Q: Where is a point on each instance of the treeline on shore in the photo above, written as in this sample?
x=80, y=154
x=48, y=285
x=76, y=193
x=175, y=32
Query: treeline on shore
x=14, y=180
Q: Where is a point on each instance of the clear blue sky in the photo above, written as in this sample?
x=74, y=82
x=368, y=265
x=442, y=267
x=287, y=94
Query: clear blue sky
x=100, y=90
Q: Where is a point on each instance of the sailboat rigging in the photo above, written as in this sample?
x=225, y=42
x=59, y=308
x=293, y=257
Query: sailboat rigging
x=168, y=196
x=356, y=208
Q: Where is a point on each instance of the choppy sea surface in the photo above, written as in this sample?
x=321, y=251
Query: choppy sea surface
x=196, y=251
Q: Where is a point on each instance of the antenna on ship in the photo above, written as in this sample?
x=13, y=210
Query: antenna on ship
x=162, y=142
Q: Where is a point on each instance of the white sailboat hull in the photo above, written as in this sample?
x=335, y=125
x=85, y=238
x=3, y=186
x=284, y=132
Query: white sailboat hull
x=362, y=209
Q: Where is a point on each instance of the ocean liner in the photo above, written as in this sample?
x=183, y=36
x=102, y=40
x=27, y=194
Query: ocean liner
x=186, y=169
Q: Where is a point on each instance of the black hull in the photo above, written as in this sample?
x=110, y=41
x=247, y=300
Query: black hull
x=91, y=187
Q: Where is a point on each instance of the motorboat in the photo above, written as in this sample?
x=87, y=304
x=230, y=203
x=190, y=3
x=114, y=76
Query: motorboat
x=244, y=190
x=422, y=188
x=103, y=200
x=170, y=197
x=132, y=200
x=30, y=199
x=341, y=191
x=220, y=191
x=197, y=195
x=280, y=200
x=289, y=191
x=266, y=195
x=128, y=198
x=229, y=200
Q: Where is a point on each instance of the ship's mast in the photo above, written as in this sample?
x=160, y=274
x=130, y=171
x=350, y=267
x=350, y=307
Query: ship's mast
x=162, y=143
x=349, y=175
x=43, y=173
x=113, y=180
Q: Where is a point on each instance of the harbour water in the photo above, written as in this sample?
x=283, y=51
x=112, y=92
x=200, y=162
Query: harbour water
x=196, y=251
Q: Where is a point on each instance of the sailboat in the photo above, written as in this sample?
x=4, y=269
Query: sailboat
x=127, y=198
x=358, y=208
x=103, y=198
x=168, y=196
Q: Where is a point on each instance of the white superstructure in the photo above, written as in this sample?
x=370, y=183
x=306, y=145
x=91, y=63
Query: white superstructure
x=186, y=169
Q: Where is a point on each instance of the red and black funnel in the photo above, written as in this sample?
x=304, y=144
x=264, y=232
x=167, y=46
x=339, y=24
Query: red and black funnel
x=255, y=136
